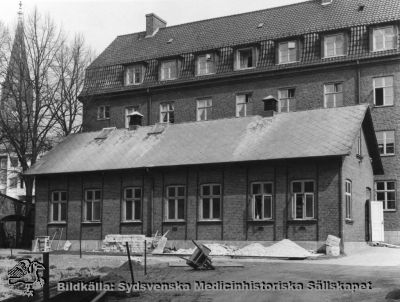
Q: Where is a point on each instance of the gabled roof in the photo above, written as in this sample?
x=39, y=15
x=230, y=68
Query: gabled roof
x=313, y=133
x=279, y=22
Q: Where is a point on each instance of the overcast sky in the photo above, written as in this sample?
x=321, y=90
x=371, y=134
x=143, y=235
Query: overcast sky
x=101, y=21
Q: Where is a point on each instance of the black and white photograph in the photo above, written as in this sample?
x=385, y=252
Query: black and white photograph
x=200, y=151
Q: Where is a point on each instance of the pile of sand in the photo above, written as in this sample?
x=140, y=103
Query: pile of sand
x=284, y=248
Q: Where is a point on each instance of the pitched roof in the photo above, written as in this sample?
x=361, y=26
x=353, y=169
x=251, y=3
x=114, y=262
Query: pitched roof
x=314, y=133
x=279, y=22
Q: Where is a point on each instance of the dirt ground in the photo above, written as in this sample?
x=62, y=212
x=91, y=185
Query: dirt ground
x=378, y=267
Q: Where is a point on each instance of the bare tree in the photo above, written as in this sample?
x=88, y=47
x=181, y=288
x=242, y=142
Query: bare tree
x=71, y=62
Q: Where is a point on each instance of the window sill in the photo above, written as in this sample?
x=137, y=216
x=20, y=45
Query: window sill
x=174, y=221
x=382, y=50
x=166, y=80
x=382, y=106
x=349, y=221
x=389, y=211
x=247, y=68
x=131, y=222
x=302, y=221
x=286, y=63
x=387, y=155
x=206, y=74
x=209, y=221
x=57, y=223
x=261, y=221
x=137, y=84
x=91, y=222
x=333, y=57
x=103, y=119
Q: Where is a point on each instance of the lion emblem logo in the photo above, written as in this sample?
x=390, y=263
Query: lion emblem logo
x=27, y=273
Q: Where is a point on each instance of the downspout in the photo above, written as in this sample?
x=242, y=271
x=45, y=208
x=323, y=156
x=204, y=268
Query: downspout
x=341, y=206
x=149, y=105
x=150, y=224
x=358, y=82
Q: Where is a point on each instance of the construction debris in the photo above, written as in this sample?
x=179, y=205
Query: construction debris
x=159, y=243
x=282, y=249
x=200, y=258
x=332, y=246
x=116, y=243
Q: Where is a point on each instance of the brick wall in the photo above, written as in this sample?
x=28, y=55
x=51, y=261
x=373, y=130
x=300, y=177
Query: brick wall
x=359, y=172
x=236, y=180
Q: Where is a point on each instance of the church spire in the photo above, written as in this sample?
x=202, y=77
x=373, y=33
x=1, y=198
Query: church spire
x=20, y=12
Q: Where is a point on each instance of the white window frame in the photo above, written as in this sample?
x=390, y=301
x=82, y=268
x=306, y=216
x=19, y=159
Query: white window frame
x=384, y=86
x=94, y=201
x=4, y=163
x=385, y=38
x=335, y=48
x=304, y=194
x=165, y=108
x=131, y=74
x=348, y=195
x=176, y=198
x=253, y=58
x=286, y=99
x=335, y=93
x=239, y=102
x=134, y=200
x=263, y=196
x=207, y=106
x=385, y=191
x=128, y=111
x=166, y=73
x=289, y=45
x=209, y=64
x=212, y=198
x=103, y=112
x=385, y=141
x=58, y=202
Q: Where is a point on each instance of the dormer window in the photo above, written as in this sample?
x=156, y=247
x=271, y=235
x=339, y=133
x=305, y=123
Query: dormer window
x=134, y=75
x=288, y=52
x=245, y=58
x=169, y=70
x=103, y=112
x=384, y=38
x=334, y=45
x=205, y=64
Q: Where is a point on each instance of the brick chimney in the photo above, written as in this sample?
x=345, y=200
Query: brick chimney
x=153, y=24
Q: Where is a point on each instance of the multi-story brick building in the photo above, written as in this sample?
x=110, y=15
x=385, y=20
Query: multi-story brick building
x=308, y=56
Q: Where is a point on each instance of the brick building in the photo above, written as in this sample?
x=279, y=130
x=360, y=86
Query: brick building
x=226, y=71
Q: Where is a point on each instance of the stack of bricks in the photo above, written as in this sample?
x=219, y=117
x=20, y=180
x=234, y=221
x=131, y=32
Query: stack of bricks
x=117, y=243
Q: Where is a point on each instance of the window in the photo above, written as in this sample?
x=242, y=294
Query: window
x=385, y=142
x=167, y=113
x=385, y=191
x=21, y=183
x=3, y=163
x=334, y=45
x=169, y=70
x=333, y=95
x=13, y=182
x=287, y=52
x=261, y=200
x=241, y=104
x=204, y=109
x=384, y=38
x=134, y=75
x=245, y=58
x=348, y=199
x=103, y=112
x=14, y=162
x=210, y=202
x=383, y=91
x=303, y=200
x=205, y=64
x=92, y=205
x=128, y=111
x=58, y=210
x=175, y=206
x=287, y=101
x=132, y=204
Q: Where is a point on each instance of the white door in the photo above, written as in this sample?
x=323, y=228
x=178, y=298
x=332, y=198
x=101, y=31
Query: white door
x=377, y=231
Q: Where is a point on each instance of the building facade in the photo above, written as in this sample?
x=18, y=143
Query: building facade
x=307, y=56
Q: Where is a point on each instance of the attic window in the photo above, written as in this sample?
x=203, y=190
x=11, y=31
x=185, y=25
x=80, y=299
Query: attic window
x=170, y=41
x=260, y=25
x=104, y=133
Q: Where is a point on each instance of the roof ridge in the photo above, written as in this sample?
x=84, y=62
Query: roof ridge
x=227, y=16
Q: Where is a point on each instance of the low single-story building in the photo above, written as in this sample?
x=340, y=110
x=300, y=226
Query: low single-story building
x=300, y=175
